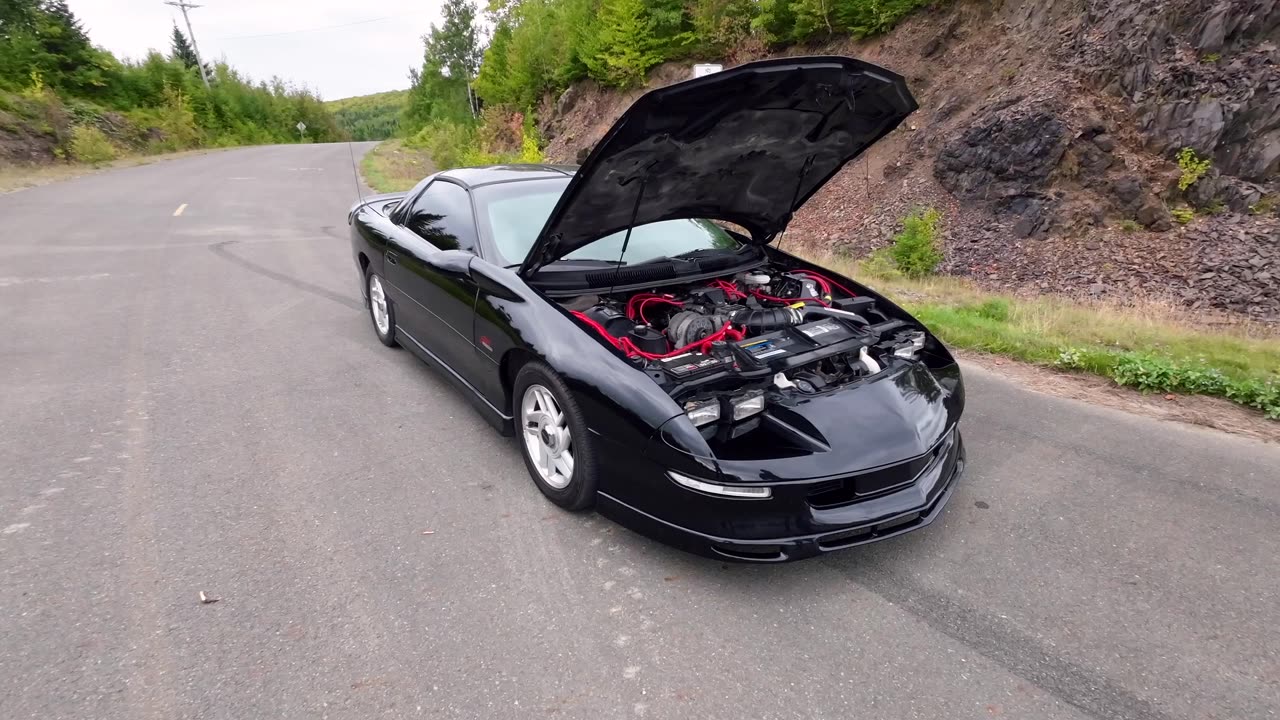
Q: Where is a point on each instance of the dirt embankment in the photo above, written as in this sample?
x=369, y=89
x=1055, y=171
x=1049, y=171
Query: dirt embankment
x=1047, y=134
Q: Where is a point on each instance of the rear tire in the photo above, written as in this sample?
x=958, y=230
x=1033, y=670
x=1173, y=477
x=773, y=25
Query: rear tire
x=381, y=312
x=558, y=450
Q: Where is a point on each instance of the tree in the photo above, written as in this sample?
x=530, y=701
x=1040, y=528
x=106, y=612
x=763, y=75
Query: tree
x=441, y=90
x=182, y=49
x=455, y=46
x=624, y=46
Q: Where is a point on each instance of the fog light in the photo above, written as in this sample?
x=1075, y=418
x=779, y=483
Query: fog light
x=747, y=404
x=702, y=412
x=754, y=492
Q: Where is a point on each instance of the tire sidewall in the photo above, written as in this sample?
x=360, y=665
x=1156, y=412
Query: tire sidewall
x=580, y=493
x=390, y=338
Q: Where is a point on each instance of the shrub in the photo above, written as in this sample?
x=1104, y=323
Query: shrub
x=1071, y=358
x=529, y=150
x=1129, y=226
x=879, y=264
x=994, y=309
x=450, y=144
x=915, y=249
x=1150, y=373
x=1183, y=215
x=1192, y=166
x=89, y=145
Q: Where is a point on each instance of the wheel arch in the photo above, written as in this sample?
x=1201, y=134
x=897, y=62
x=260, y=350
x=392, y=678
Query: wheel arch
x=508, y=367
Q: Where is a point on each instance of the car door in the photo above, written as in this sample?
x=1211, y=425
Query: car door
x=427, y=264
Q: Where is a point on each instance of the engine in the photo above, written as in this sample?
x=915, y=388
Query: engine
x=796, y=331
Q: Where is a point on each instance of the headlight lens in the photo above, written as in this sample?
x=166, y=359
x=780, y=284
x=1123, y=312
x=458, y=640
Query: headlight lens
x=747, y=404
x=754, y=492
x=702, y=412
x=914, y=344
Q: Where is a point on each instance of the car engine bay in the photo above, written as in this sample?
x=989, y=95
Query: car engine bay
x=789, y=332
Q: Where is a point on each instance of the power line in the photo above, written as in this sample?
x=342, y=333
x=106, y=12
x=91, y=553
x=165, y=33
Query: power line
x=184, y=6
x=294, y=32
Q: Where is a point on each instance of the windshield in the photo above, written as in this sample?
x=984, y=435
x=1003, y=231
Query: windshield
x=512, y=214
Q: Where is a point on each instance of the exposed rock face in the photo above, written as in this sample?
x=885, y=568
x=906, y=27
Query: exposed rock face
x=1203, y=74
x=1005, y=158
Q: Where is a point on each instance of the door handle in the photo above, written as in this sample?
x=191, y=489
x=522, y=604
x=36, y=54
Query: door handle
x=393, y=258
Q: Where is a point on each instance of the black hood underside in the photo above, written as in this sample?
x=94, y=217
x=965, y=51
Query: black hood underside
x=749, y=146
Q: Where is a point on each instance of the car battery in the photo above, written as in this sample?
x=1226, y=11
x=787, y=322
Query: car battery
x=768, y=347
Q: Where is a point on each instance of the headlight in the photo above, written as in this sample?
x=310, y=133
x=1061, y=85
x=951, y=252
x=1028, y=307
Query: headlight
x=747, y=404
x=914, y=344
x=755, y=492
x=702, y=412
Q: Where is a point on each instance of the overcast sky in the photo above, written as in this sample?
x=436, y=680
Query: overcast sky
x=296, y=40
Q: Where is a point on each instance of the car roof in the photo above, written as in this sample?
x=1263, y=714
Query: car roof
x=472, y=177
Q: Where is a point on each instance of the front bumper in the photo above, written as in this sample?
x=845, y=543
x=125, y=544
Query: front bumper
x=789, y=525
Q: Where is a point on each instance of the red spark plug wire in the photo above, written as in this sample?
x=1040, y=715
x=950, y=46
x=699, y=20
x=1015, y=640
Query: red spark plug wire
x=824, y=278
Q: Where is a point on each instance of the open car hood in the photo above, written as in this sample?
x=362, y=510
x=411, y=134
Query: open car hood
x=748, y=145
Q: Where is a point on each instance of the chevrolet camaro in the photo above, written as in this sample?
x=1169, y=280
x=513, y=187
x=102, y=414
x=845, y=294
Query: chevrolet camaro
x=660, y=359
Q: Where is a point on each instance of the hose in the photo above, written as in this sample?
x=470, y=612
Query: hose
x=767, y=319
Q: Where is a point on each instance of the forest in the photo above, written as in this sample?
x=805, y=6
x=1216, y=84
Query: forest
x=61, y=97
x=370, y=117
x=471, y=104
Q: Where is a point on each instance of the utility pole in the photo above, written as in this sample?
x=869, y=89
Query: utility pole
x=184, y=6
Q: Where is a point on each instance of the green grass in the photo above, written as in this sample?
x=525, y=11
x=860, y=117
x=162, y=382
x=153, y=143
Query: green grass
x=1151, y=346
x=392, y=167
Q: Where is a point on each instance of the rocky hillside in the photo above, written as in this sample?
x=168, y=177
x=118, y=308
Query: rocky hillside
x=1048, y=134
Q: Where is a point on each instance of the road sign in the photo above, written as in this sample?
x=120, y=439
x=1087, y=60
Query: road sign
x=302, y=127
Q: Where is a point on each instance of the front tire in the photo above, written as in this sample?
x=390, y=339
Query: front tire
x=381, y=311
x=558, y=450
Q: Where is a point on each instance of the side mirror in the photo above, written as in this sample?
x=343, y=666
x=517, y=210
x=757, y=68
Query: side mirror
x=495, y=281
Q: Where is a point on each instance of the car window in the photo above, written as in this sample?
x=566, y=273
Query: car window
x=441, y=215
x=513, y=214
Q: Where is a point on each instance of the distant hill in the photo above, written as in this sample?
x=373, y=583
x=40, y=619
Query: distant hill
x=370, y=117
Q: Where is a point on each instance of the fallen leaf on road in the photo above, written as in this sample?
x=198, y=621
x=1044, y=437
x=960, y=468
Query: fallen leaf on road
x=206, y=599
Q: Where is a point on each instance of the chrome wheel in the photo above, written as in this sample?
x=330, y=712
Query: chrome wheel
x=378, y=305
x=547, y=437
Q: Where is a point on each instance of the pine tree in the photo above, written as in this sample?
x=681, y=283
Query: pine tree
x=624, y=46
x=182, y=49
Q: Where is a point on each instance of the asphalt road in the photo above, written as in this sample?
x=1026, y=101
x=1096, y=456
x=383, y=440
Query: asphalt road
x=197, y=402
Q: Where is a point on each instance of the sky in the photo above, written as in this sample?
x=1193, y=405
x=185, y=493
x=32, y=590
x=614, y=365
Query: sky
x=372, y=52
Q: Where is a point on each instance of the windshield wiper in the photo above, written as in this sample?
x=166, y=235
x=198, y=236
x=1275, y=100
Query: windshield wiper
x=562, y=262
x=691, y=255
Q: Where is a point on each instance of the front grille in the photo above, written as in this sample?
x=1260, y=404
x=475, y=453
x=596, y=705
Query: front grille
x=861, y=486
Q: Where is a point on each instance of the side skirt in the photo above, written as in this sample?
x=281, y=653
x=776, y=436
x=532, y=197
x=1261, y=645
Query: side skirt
x=502, y=422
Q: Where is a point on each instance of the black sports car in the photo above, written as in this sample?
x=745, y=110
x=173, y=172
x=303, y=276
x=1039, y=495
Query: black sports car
x=630, y=322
